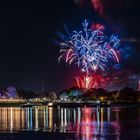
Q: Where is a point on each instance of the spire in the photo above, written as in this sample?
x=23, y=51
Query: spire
x=42, y=89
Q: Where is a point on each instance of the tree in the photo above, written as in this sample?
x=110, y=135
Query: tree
x=11, y=92
x=100, y=92
x=52, y=96
x=75, y=93
x=128, y=94
x=22, y=93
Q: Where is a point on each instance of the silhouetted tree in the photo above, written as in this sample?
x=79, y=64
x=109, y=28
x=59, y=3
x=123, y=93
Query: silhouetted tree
x=22, y=93
x=128, y=94
x=52, y=96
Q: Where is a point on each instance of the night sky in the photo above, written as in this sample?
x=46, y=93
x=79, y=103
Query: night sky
x=28, y=53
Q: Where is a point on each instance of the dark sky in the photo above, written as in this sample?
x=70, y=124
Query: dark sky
x=28, y=54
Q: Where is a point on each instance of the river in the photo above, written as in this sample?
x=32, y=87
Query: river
x=86, y=123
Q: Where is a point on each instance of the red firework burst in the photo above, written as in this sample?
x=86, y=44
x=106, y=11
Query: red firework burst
x=89, y=81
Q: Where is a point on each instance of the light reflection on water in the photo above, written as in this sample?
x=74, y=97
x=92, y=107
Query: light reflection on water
x=86, y=123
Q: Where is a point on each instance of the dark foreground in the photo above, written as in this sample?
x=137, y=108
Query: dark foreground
x=127, y=135
x=37, y=136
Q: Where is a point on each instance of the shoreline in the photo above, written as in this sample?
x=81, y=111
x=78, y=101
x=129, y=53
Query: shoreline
x=66, y=104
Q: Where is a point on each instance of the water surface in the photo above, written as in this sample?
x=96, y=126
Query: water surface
x=111, y=123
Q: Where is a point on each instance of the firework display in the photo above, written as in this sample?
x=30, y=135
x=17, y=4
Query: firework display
x=90, y=81
x=95, y=51
x=87, y=82
x=90, y=49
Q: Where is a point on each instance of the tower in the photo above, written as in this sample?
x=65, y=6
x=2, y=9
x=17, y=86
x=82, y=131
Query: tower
x=42, y=89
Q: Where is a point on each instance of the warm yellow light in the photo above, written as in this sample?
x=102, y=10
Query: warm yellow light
x=102, y=98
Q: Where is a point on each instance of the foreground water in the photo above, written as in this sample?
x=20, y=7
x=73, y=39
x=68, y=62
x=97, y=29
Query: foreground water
x=112, y=123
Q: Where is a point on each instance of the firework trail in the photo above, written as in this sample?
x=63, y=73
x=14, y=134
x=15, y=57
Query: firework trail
x=91, y=81
x=90, y=49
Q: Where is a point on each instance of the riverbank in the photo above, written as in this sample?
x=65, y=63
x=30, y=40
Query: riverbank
x=69, y=104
